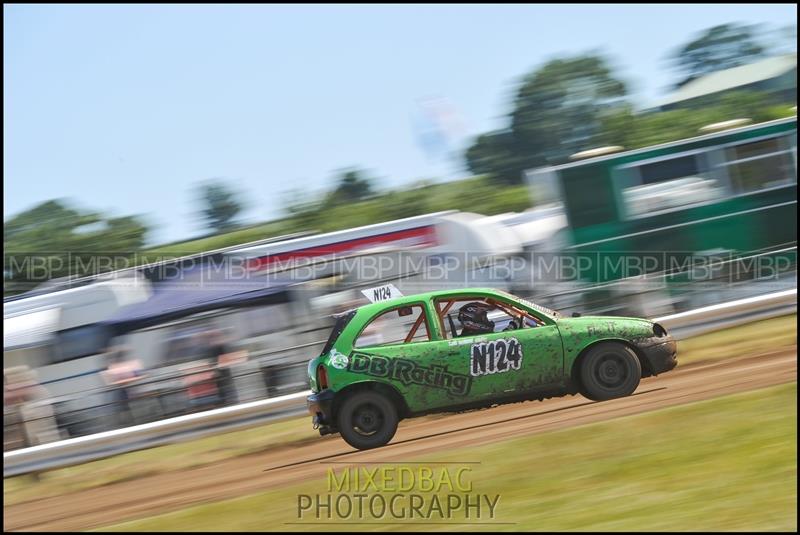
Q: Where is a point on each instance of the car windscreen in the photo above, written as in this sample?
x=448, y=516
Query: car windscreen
x=341, y=323
x=533, y=306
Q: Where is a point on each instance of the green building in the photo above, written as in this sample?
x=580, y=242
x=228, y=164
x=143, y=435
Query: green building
x=731, y=194
x=775, y=76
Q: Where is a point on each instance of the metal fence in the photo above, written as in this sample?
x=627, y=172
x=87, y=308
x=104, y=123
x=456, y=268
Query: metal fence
x=32, y=418
x=99, y=445
x=201, y=386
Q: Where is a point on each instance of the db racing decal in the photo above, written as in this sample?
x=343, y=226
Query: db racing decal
x=497, y=356
x=409, y=372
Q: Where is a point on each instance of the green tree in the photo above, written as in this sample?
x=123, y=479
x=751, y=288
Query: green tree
x=352, y=185
x=302, y=209
x=557, y=110
x=720, y=47
x=221, y=205
x=54, y=240
x=309, y=211
x=559, y=107
x=500, y=156
x=631, y=130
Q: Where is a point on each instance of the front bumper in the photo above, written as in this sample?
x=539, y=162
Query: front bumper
x=661, y=354
x=320, y=406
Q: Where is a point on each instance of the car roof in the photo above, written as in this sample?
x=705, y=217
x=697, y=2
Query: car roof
x=415, y=298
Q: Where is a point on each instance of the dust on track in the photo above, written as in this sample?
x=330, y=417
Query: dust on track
x=150, y=495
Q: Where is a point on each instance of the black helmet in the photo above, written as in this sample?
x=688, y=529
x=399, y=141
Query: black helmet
x=473, y=317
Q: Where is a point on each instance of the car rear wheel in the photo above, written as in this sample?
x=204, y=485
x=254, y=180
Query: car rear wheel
x=609, y=370
x=367, y=420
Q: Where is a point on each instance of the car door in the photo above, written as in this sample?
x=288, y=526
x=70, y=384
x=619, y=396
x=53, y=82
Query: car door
x=509, y=362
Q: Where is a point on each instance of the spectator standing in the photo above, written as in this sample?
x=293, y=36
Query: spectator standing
x=121, y=374
x=221, y=355
x=30, y=407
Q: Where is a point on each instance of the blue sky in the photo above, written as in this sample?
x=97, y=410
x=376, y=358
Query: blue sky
x=124, y=109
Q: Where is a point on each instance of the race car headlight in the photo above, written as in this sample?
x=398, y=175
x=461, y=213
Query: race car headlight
x=658, y=330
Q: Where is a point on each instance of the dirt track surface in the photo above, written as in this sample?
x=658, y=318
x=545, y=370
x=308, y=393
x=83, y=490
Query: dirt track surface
x=160, y=493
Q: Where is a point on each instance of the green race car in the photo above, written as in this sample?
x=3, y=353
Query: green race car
x=455, y=350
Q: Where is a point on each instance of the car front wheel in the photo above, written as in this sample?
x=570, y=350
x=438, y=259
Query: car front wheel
x=367, y=420
x=609, y=370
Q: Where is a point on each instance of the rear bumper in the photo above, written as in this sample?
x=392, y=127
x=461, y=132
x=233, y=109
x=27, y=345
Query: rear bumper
x=661, y=355
x=320, y=406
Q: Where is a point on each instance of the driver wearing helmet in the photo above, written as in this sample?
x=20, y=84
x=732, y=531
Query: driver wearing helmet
x=474, y=320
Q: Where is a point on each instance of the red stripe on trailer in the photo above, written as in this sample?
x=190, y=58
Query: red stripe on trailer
x=417, y=237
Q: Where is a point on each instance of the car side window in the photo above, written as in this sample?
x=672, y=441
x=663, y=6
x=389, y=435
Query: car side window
x=396, y=326
x=471, y=316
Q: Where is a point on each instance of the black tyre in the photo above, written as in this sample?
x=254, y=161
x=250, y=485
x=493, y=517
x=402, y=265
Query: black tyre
x=367, y=420
x=609, y=370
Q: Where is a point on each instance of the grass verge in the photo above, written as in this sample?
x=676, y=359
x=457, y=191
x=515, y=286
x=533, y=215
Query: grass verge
x=750, y=338
x=167, y=458
x=747, y=339
x=723, y=464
